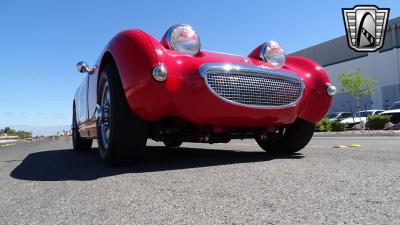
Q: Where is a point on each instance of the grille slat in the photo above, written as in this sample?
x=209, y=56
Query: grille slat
x=255, y=88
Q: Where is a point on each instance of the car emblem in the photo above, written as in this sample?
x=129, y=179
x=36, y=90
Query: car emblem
x=365, y=27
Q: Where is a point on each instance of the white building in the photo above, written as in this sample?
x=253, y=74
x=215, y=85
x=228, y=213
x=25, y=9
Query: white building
x=383, y=65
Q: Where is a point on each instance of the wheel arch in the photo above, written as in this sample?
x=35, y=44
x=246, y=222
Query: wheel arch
x=134, y=55
x=133, y=52
x=106, y=59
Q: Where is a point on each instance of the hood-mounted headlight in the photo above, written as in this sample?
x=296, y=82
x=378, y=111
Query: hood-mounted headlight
x=273, y=53
x=182, y=38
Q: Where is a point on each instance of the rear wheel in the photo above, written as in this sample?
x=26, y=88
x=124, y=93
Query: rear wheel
x=293, y=139
x=80, y=144
x=172, y=144
x=122, y=135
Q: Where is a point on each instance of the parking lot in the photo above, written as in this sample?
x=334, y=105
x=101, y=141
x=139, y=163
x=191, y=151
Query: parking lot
x=237, y=183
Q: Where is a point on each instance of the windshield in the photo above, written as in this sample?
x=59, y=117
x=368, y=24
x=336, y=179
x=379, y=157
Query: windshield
x=395, y=105
x=331, y=115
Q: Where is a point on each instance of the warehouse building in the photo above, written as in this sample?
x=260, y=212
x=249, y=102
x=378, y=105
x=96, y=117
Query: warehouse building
x=383, y=65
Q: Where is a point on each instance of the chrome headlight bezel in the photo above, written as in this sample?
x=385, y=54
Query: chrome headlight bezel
x=170, y=43
x=268, y=55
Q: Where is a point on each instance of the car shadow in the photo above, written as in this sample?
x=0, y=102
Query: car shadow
x=60, y=165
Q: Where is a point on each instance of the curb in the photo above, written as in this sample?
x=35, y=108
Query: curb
x=380, y=133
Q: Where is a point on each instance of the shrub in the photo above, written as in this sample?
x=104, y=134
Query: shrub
x=328, y=125
x=322, y=125
x=24, y=134
x=377, y=122
x=335, y=126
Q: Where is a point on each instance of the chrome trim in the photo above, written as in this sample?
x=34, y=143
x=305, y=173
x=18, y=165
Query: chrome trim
x=159, y=72
x=104, y=115
x=263, y=48
x=244, y=68
x=226, y=67
x=98, y=112
x=168, y=36
x=331, y=90
x=83, y=67
x=94, y=68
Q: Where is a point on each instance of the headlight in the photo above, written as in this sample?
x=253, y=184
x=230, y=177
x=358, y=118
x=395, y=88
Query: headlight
x=271, y=52
x=183, y=38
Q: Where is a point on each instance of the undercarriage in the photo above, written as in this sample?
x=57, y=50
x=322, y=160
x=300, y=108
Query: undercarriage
x=175, y=129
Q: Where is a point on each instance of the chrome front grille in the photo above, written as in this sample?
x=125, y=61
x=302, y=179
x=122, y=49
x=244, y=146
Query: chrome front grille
x=254, y=86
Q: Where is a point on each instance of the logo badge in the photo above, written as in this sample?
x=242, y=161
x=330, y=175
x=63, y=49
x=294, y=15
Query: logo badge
x=365, y=27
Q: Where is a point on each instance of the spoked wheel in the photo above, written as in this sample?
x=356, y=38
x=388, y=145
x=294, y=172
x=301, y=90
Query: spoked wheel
x=104, y=120
x=292, y=139
x=122, y=135
x=80, y=144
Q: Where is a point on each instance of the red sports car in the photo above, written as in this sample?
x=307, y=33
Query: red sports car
x=172, y=91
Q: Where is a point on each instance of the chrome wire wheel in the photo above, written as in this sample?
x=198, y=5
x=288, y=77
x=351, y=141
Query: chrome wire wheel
x=121, y=134
x=105, y=119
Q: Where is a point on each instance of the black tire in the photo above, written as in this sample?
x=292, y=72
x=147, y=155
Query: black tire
x=127, y=134
x=80, y=144
x=172, y=144
x=294, y=138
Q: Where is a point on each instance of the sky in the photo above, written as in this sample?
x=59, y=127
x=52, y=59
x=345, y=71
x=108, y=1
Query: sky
x=41, y=41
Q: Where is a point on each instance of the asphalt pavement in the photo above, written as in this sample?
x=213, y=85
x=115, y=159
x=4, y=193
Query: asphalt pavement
x=237, y=183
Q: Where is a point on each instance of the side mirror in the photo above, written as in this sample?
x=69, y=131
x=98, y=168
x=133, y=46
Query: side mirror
x=82, y=67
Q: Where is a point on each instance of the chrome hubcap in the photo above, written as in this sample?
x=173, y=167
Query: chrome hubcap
x=105, y=115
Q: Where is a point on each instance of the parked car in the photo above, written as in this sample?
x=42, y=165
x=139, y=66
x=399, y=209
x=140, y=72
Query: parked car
x=394, y=115
x=172, y=91
x=395, y=105
x=338, y=116
x=360, y=117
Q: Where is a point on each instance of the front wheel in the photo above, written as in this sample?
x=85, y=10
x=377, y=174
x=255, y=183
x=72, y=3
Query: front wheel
x=293, y=139
x=121, y=134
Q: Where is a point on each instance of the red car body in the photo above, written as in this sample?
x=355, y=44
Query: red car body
x=207, y=97
x=185, y=94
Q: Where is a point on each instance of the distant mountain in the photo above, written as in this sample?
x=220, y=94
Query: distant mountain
x=45, y=130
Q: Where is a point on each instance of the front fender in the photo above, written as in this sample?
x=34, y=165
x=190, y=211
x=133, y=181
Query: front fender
x=316, y=102
x=135, y=57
